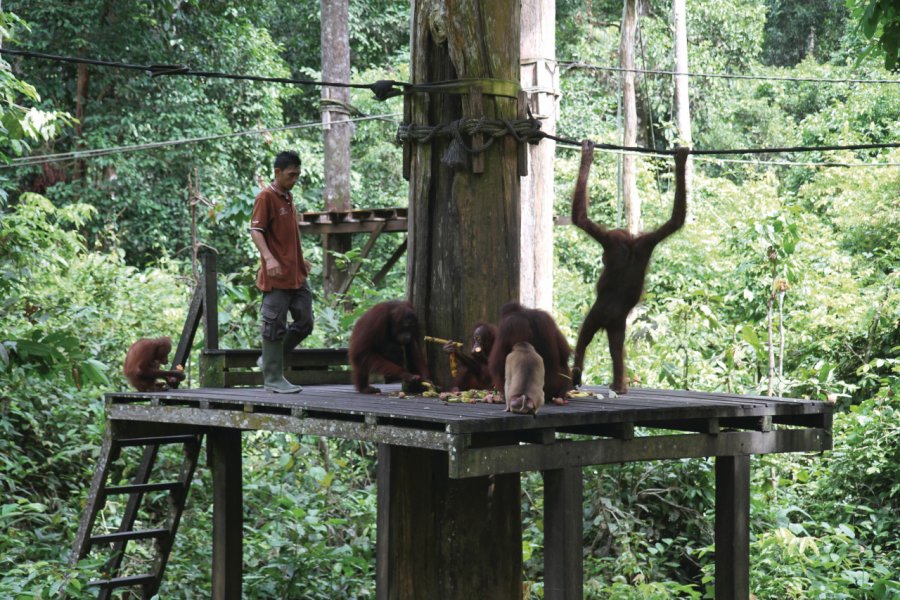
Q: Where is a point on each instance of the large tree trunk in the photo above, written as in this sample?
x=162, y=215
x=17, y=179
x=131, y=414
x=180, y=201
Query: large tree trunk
x=463, y=266
x=631, y=200
x=682, y=98
x=337, y=131
x=464, y=227
x=540, y=80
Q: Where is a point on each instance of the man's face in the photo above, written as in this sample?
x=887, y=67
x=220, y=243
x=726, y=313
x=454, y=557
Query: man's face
x=286, y=178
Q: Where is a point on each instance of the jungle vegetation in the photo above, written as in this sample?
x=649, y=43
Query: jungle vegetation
x=96, y=252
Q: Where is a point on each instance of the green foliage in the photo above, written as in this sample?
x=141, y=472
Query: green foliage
x=105, y=253
x=842, y=542
x=795, y=30
x=879, y=21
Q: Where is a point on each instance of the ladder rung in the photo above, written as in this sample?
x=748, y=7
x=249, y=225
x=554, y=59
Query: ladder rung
x=143, y=487
x=118, y=582
x=156, y=440
x=120, y=536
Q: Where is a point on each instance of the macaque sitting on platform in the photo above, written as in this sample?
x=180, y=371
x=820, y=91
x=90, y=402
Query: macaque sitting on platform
x=524, y=380
x=473, y=374
x=143, y=362
x=626, y=257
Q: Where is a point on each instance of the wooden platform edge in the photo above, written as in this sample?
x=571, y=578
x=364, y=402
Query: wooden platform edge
x=475, y=462
x=299, y=424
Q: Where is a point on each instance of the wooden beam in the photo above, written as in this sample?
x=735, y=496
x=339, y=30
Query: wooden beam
x=733, y=527
x=400, y=251
x=391, y=225
x=354, y=268
x=224, y=446
x=474, y=462
x=238, y=419
x=189, y=331
x=210, y=302
x=475, y=110
x=563, y=543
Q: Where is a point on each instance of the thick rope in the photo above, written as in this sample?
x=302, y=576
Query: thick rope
x=523, y=130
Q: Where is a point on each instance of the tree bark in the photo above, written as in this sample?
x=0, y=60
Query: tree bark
x=540, y=80
x=464, y=227
x=337, y=131
x=682, y=96
x=631, y=200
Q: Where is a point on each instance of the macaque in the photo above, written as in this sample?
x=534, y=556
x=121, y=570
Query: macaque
x=143, y=362
x=524, y=380
x=626, y=257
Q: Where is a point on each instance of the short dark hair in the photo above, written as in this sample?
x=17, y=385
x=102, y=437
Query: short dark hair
x=287, y=159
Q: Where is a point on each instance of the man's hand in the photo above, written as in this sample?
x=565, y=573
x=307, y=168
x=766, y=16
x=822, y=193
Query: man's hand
x=308, y=265
x=273, y=268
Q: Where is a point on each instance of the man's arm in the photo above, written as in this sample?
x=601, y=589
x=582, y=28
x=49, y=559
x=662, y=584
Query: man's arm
x=273, y=268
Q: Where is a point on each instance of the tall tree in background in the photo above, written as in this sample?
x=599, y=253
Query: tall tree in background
x=337, y=131
x=540, y=80
x=631, y=200
x=682, y=98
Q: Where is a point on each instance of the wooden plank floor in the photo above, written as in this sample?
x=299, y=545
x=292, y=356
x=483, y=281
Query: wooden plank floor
x=641, y=406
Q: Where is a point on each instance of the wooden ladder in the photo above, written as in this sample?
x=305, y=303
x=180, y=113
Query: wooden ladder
x=140, y=484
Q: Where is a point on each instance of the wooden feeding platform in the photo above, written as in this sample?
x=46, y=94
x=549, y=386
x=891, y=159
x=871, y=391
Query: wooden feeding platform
x=587, y=431
x=448, y=473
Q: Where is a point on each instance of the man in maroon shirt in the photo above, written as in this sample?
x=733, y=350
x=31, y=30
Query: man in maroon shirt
x=283, y=273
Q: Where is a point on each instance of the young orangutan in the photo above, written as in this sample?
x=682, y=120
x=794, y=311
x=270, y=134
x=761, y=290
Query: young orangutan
x=625, y=260
x=143, y=362
x=473, y=373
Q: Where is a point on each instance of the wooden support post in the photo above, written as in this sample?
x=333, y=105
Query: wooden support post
x=442, y=538
x=733, y=527
x=224, y=447
x=210, y=302
x=563, y=571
